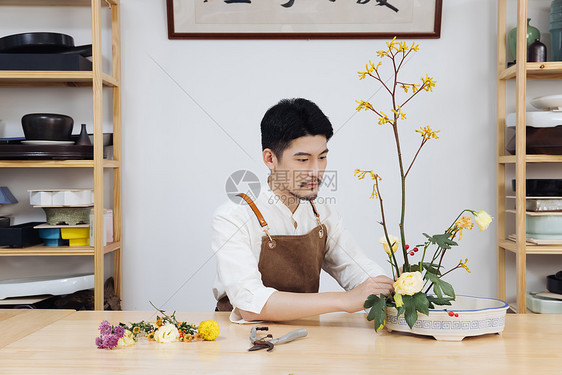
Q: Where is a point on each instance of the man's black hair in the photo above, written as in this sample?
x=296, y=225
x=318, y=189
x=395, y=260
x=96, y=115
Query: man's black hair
x=291, y=119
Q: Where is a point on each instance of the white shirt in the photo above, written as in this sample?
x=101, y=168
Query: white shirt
x=236, y=242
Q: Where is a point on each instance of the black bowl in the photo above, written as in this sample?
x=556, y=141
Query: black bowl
x=554, y=284
x=542, y=187
x=47, y=127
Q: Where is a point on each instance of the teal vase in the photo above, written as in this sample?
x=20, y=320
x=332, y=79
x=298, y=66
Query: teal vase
x=532, y=34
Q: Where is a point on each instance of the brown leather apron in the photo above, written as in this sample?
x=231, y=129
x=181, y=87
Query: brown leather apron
x=288, y=263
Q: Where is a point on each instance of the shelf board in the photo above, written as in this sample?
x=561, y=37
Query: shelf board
x=511, y=159
x=41, y=250
x=535, y=70
x=10, y=78
x=531, y=249
x=54, y=2
x=56, y=164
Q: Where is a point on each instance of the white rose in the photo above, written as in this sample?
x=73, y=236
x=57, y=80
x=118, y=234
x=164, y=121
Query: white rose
x=483, y=220
x=393, y=240
x=167, y=333
x=409, y=283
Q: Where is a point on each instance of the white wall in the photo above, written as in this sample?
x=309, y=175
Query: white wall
x=191, y=113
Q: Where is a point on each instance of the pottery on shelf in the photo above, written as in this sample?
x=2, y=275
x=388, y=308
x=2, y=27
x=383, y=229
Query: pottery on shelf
x=532, y=34
x=476, y=316
x=536, y=52
x=83, y=138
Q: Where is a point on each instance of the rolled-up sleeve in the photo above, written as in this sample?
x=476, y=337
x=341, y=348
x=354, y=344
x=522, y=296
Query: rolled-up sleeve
x=343, y=259
x=237, y=265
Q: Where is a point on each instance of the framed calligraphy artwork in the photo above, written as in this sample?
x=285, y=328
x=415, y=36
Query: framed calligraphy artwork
x=303, y=19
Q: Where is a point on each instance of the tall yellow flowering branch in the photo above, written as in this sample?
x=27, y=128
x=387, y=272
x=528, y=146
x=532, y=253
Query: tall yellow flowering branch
x=397, y=52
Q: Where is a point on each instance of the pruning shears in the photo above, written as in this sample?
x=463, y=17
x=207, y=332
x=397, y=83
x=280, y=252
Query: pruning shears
x=268, y=342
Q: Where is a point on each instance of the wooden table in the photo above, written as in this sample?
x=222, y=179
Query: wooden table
x=337, y=343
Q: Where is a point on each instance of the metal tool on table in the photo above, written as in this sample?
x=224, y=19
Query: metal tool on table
x=268, y=342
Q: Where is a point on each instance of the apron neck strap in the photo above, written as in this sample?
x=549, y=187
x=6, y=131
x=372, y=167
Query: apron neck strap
x=252, y=205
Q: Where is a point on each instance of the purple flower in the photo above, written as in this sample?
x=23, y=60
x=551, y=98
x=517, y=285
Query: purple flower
x=105, y=328
x=99, y=342
x=119, y=331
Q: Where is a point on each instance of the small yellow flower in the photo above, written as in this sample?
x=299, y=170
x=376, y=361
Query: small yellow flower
x=362, y=75
x=383, y=119
x=463, y=265
x=415, y=47
x=398, y=299
x=363, y=105
x=378, y=65
x=150, y=336
x=428, y=133
x=428, y=83
x=382, y=53
x=136, y=329
x=464, y=222
x=386, y=246
x=391, y=44
x=399, y=113
x=405, y=88
x=415, y=87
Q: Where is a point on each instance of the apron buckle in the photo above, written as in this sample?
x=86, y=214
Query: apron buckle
x=272, y=242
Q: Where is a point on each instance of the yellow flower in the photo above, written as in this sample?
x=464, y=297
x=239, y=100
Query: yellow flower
x=415, y=87
x=382, y=53
x=409, y=283
x=394, y=241
x=136, y=329
x=402, y=47
x=150, y=336
x=383, y=119
x=398, y=299
x=378, y=65
x=483, y=220
x=392, y=43
x=405, y=88
x=399, y=113
x=362, y=75
x=415, y=47
x=427, y=132
x=209, y=330
x=363, y=105
x=463, y=264
x=464, y=222
x=428, y=83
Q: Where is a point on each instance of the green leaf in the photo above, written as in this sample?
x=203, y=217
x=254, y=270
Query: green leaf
x=441, y=240
x=432, y=268
x=440, y=287
x=378, y=313
x=410, y=313
x=421, y=303
x=370, y=301
x=439, y=301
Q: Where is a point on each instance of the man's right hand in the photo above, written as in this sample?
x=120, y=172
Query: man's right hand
x=355, y=298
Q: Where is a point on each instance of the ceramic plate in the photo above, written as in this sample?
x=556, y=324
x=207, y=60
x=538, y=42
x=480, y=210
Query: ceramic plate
x=48, y=142
x=549, y=102
x=542, y=119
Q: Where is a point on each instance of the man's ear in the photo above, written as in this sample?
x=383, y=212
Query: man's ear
x=269, y=159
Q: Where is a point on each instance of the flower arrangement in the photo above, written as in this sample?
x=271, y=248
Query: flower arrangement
x=413, y=280
x=165, y=329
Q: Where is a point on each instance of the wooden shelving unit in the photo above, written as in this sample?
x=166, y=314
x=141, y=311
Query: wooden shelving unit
x=98, y=80
x=521, y=72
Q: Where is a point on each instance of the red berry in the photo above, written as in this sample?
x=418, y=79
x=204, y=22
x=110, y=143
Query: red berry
x=406, y=247
x=456, y=315
x=411, y=253
x=416, y=249
x=451, y=313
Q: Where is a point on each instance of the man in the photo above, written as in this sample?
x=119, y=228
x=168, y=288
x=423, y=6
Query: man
x=270, y=249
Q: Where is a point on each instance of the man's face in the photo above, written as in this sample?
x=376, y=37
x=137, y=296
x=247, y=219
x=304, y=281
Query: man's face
x=301, y=167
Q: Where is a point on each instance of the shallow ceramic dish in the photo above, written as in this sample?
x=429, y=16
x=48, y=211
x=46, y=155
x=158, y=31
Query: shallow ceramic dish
x=543, y=305
x=539, y=119
x=539, y=224
x=55, y=285
x=548, y=102
x=476, y=316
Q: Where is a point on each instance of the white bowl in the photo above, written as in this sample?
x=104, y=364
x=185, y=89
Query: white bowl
x=476, y=316
x=548, y=102
x=541, y=119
